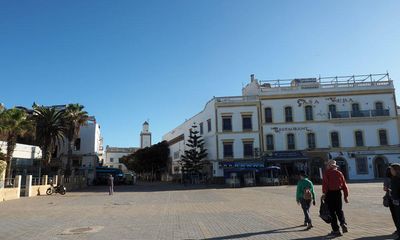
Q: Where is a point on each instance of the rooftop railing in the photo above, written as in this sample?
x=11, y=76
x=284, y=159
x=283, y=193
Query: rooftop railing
x=327, y=82
x=236, y=99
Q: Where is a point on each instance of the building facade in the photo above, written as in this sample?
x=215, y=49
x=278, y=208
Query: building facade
x=87, y=152
x=298, y=124
x=114, y=154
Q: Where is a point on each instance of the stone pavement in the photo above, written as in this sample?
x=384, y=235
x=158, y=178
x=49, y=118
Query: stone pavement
x=167, y=211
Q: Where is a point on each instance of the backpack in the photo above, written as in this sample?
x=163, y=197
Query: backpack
x=307, y=194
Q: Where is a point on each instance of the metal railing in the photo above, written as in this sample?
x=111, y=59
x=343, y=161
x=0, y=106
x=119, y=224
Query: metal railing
x=236, y=99
x=359, y=114
x=9, y=182
x=327, y=82
x=37, y=181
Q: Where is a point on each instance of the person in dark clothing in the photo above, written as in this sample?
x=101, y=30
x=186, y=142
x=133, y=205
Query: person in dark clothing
x=333, y=183
x=395, y=185
x=387, y=188
x=110, y=184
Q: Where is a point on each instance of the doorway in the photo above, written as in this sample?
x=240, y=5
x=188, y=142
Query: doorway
x=380, y=165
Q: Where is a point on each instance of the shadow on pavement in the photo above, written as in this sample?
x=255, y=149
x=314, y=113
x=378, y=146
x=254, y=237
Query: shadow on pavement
x=151, y=187
x=246, y=235
x=383, y=237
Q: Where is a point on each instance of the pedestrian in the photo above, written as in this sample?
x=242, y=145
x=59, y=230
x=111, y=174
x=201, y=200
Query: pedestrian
x=304, y=195
x=395, y=187
x=333, y=183
x=388, y=188
x=110, y=184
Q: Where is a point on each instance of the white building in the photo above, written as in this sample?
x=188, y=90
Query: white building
x=298, y=124
x=114, y=154
x=25, y=159
x=145, y=136
x=88, y=149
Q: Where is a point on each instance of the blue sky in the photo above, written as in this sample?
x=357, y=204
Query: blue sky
x=129, y=61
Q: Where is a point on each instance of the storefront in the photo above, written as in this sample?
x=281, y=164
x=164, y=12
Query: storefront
x=290, y=162
x=242, y=173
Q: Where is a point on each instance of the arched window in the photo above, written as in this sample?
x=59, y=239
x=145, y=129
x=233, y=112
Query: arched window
x=288, y=114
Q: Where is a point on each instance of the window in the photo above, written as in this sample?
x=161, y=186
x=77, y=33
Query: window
x=176, y=154
x=332, y=110
x=201, y=129
x=361, y=165
x=248, y=149
x=111, y=159
x=355, y=107
x=228, y=150
x=311, y=140
x=77, y=144
x=309, y=113
x=270, y=142
x=290, y=142
x=335, y=139
x=359, y=138
x=379, y=106
x=246, y=123
x=268, y=115
x=227, y=123
x=288, y=114
x=383, y=137
x=209, y=125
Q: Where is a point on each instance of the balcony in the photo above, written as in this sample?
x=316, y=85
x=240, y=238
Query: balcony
x=359, y=114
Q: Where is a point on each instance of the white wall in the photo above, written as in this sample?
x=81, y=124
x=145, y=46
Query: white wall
x=23, y=151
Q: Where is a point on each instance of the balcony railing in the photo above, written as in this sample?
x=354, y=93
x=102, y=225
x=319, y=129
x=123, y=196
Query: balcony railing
x=359, y=114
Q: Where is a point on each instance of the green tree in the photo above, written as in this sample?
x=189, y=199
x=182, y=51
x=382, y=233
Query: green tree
x=14, y=123
x=151, y=160
x=50, y=130
x=193, y=161
x=75, y=117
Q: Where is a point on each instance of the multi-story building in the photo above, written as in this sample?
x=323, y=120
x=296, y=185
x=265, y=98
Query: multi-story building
x=88, y=150
x=298, y=124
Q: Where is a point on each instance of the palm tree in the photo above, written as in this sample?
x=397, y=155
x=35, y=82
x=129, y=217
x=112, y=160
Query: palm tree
x=50, y=130
x=75, y=117
x=14, y=123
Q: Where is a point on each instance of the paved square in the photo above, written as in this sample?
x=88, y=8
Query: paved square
x=168, y=211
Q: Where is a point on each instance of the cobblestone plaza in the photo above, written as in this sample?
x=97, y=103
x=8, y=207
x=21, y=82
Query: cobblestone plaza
x=168, y=211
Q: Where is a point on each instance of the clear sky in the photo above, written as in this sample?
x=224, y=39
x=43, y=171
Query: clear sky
x=129, y=61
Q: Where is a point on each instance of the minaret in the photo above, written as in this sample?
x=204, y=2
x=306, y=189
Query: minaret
x=145, y=136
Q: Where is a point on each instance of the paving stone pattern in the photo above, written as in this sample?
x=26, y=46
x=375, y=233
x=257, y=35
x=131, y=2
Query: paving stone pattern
x=170, y=211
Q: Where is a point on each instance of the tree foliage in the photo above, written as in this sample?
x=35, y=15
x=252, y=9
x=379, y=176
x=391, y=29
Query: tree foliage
x=14, y=123
x=193, y=161
x=74, y=118
x=50, y=130
x=152, y=159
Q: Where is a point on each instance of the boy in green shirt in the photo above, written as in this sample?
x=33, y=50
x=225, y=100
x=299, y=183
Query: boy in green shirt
x=304, y=195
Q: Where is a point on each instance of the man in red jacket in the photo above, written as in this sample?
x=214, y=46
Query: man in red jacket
x=333, y=183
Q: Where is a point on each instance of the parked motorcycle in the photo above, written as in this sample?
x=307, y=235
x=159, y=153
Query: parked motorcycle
x=57, y=189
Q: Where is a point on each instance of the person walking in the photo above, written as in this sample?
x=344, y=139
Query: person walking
x=333, y=183
x=388, y=188
x=304, y=195
x=395, y=187
x=110, y=184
